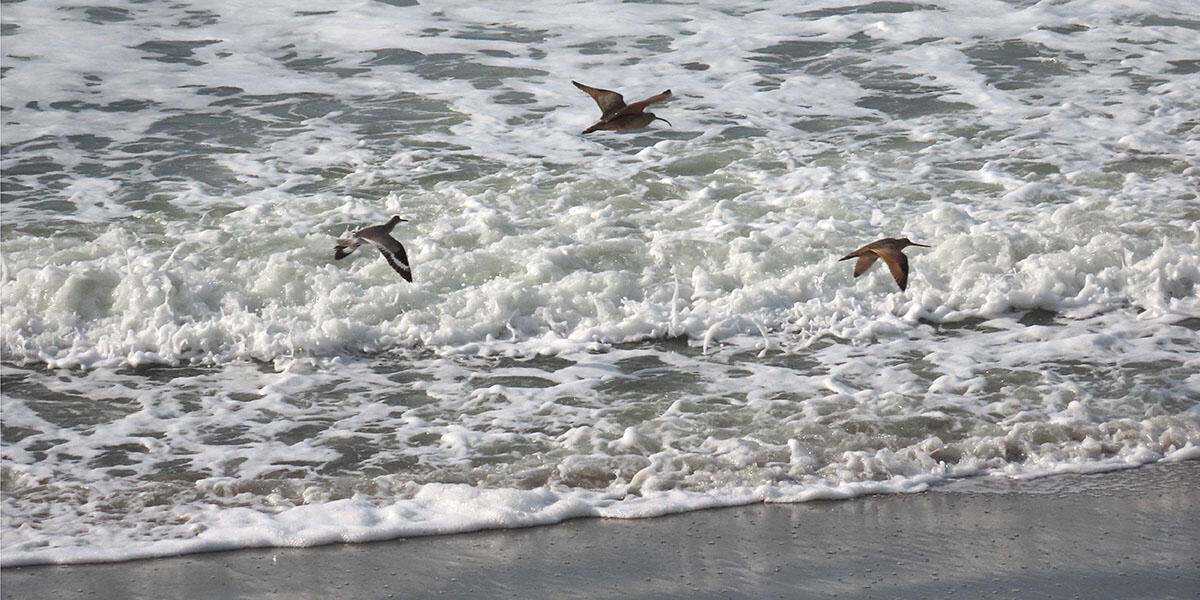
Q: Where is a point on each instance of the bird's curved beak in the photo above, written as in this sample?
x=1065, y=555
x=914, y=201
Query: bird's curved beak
x=663, y=120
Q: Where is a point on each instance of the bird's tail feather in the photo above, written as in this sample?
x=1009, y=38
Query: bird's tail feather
x=343, y=248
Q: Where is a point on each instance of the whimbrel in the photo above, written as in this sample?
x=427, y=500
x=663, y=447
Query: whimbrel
x=378, y=236
x=889, y=249
x=616, y=115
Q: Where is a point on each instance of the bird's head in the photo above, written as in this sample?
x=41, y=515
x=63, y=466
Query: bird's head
x=905, y=242
x=396, y=219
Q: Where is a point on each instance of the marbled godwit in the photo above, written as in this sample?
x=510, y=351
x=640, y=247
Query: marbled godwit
x=616, y=115
x=378, y=236
x=889, y=249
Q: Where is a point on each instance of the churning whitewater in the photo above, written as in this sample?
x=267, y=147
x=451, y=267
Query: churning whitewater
x=619, y=324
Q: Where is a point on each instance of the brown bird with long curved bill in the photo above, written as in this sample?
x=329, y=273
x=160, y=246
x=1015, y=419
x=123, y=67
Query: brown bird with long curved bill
x=618, y=116
x=378, y=236
x=889, y=249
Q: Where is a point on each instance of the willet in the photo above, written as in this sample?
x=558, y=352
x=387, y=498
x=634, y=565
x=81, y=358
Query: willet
x=378, y=236
x=889, y=249
x=618, y=116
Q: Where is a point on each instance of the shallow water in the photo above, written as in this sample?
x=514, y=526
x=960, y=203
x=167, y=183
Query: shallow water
x=622, y=324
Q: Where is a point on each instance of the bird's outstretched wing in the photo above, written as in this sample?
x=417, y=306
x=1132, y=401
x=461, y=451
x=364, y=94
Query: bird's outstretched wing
x=897, y=262
x=394, y=254
x=609, y=101
x=854, y=254
x=641, y=105
x=864, y=262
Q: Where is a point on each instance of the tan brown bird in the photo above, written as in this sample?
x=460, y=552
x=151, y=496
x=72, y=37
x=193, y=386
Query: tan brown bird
x=618, y=116
x=889, y=249
x=378, y=236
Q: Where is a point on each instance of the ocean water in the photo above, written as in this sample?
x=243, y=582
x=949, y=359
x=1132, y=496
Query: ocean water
x=620, y=324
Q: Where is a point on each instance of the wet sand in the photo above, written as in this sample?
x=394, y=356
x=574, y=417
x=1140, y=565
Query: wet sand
x=1128, y=534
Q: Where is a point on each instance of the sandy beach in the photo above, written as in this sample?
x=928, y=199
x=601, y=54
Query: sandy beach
x=1127, y=534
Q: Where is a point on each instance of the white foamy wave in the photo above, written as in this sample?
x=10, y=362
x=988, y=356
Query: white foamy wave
x=502, y=270
x=438, y=509
x=243, y=456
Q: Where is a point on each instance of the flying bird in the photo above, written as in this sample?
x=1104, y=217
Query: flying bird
x=378, y=236
x=618, y=116
x=889, y=249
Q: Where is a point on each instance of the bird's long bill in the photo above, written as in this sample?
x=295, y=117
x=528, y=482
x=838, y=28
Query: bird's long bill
x=921, y=245
x=664, y=120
